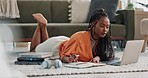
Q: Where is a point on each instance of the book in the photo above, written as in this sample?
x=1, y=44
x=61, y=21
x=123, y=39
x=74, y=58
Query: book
x=30, y=59
x=27, y=63
x=36, y=54
x=82, y=65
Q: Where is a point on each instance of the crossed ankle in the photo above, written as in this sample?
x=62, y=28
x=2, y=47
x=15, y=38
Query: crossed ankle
x=40, y=18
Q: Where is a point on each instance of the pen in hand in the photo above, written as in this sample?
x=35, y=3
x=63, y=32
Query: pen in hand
x=74, y=57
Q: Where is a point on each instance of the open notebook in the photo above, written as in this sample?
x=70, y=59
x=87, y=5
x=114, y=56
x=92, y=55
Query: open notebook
x=82, y=65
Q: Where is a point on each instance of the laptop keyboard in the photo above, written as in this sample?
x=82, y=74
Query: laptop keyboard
x=113, y=62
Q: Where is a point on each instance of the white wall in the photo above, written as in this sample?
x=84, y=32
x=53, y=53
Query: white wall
x=140, y=6
x=136, y=5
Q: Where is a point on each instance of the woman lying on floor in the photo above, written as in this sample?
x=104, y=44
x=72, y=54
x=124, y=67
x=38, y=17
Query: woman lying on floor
x=91, y=45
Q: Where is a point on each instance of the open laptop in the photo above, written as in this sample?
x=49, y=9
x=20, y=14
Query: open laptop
x=131, y=53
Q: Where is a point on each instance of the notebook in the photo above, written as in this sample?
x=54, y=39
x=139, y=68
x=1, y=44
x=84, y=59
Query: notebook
x=36, y=54
x=131, y=53
x=82, y=65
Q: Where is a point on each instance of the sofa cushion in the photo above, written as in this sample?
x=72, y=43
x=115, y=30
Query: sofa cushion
x=110, y=7
x=119, y=19
x=26, y=30
x=79, y=10
x=118, y=30
x=28, y=7
x=59, y=10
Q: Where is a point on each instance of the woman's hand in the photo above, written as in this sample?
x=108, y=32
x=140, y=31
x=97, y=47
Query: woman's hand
x=96, y=59
x=72, y=58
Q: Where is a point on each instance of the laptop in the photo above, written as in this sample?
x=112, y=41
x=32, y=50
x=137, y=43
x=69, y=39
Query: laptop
x=130, y=55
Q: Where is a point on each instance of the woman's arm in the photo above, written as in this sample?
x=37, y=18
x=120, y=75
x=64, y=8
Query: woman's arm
x=66, y=59
x=72, y=58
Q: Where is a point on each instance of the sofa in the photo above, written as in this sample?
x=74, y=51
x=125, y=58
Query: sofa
x=57, y=14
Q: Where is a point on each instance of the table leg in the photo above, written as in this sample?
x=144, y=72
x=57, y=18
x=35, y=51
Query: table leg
x=145, y=43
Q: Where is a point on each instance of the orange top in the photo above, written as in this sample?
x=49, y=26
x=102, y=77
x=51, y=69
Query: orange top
x=80, y=44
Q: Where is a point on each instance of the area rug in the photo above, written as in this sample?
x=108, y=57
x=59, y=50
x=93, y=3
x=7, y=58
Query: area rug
x=37, y=70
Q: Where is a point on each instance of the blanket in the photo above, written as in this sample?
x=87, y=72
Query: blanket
x=9, y=9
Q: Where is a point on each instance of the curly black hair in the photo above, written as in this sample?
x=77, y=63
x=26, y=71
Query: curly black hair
x=103, y=48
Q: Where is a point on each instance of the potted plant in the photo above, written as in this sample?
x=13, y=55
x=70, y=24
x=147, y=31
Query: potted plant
x=130, y=6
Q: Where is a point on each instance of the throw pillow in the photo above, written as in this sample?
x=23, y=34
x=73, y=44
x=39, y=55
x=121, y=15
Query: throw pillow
x=119, y=19
x=110, y=6
x=79, y=10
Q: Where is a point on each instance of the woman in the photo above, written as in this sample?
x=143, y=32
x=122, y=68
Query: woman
x=91, y=45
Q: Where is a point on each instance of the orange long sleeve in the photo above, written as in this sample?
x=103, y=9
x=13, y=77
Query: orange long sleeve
x=80, y=44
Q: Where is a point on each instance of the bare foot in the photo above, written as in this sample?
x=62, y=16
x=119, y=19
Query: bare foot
x=40, y=18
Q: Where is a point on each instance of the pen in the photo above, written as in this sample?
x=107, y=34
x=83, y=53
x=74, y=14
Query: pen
x=75, y=57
